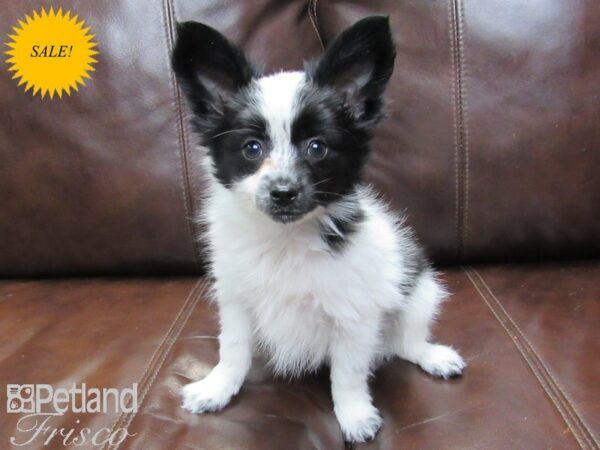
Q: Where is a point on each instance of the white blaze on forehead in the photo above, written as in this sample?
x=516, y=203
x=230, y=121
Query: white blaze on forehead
x=278, y=94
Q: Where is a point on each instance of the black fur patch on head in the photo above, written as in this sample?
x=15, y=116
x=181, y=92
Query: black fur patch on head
x=342, y=102
x=217, y=80
x=239, y=124
x=321, y=115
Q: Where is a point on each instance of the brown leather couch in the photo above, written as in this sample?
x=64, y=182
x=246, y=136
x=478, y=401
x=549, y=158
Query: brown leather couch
x=492, y=149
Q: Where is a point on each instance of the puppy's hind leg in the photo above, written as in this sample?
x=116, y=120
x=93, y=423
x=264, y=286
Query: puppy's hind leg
x=411, y=333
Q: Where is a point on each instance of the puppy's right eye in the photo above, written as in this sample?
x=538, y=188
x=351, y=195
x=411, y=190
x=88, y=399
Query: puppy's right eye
x=252, y=150
x=316, y=149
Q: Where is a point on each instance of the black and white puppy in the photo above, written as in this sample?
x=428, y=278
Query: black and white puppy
x=309, y=266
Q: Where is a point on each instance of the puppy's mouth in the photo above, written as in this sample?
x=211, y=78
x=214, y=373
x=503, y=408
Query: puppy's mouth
x=285, y=216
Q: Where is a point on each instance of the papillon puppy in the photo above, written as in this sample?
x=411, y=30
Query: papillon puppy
x=310, y=268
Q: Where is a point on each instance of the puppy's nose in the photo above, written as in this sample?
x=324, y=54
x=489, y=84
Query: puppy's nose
x=283, y=195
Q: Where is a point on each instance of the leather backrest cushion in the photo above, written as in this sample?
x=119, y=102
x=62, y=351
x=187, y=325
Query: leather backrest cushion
x=492, y=146
x=103, y=181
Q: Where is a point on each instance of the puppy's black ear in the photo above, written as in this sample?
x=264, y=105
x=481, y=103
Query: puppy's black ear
x=208, y=67
x=359, y=64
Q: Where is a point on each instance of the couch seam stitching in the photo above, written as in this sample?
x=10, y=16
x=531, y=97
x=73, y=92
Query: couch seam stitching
x=574, y=412
x=454, y=120
x=567, y=410
x=312, y=15
x=185, y=184
x=465, y=119
x=189, y=304
x=534, y=368
x=455, y=13
x=164, y=356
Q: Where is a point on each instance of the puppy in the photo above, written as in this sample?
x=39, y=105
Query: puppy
x=309, y=266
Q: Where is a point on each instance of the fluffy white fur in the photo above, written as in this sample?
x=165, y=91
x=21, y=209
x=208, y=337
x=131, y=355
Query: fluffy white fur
x=280, y=289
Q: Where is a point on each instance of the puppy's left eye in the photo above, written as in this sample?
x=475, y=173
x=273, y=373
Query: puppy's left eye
x=317, y=149
x=252, y=150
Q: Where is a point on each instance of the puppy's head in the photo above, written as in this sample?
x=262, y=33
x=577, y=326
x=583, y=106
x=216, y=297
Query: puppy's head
x=291, y=141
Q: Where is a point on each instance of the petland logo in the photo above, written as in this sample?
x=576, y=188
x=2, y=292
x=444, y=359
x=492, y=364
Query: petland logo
x=42, y=402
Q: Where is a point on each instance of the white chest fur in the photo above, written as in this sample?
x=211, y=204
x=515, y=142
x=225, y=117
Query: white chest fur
x=299, y=294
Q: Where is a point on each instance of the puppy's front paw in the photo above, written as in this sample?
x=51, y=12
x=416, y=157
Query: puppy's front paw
x=360, y=422
x=442, y=361
x=206, y=396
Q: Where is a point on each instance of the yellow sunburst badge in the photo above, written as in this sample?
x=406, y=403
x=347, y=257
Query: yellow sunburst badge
x=51, y=52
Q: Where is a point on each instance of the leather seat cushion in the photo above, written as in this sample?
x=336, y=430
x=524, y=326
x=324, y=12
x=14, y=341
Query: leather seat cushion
x=527, y=333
